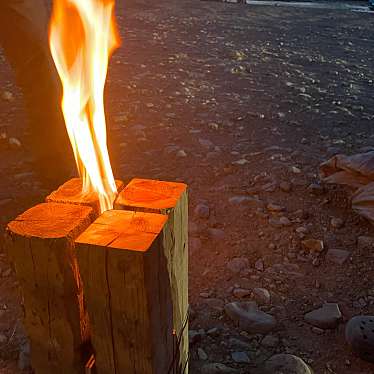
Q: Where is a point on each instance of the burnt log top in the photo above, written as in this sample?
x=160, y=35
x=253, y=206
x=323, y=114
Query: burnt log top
x=153, y=195
x=52, y=221
x=122, y=229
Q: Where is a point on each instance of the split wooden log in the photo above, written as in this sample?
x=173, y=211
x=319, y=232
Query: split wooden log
x=71, y=193
x=128, y=292
x=168, y=198
x=40, y=243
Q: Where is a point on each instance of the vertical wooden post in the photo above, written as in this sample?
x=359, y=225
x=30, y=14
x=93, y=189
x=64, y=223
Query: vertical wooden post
x=71, y=193
x=128, y=292
x=168, y=198
x=41, y=246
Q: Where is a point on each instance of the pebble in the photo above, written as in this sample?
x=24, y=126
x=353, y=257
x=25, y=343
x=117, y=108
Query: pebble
x=261, y=295
x=217, y=368
x=285, y=186
x=240, y=357
x=337, y=223
x=259, y=265
x=316, y=189
x=247, y=200
x=202, y=211
x=181, y=154
x=287, y=364
x=236, y=265
x=313, y=245
x=216, y=234
x=7, y=96
x=337, y=256
x=14, y=143
x=270, y=341
x=326, y=317
x=250, y=318
x=241, y=292
x=275, y=208
x=202, y=354
x=195, y=336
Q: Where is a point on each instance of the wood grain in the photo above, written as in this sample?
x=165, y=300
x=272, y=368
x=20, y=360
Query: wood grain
x=71, y=193
x=128, y=292
x=168, y=198
x=40, y=243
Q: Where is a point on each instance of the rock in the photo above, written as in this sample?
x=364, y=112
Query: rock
x=270, y=341
x=240, y=162
x=286, y=364
x=280, y=222
x=285, y=186
x=181, y=154
x=274, y=208
x=337, y=223
x=246, y=200
x=202, y=354
x=313, y=245
x=250, y=318
x=216, y=234
x=3, y=339
x=261, y=295
x=326, y=317
x=217, y=368
x=7, y=96
x=337, y=256
x=295, y=170
x=259, y=265
x=236, y=265
x=240, y=357
x=14, y=143
x=359, y=334
x=202, y=211
x=316, y=189
x=241, y=292
x=238, y=343
x=195, y=336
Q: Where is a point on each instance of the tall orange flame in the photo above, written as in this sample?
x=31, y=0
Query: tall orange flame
x=82, y=37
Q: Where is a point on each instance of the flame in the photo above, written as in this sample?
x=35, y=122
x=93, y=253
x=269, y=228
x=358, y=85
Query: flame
x=82, y=37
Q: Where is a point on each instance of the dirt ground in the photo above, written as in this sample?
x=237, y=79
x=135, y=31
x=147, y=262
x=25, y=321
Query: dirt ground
x=236, y=101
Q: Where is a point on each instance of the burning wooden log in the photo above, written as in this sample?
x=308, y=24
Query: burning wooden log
x=71, y=193
x=168, y=198
x=41, y=246
x=128, y=292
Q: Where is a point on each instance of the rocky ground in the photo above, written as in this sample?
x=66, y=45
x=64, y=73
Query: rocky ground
x=243, y=103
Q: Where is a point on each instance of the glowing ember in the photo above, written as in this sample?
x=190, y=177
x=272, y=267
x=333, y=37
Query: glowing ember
x=82, y=37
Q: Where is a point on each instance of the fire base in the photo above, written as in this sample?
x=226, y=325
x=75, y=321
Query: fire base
x=128, y=266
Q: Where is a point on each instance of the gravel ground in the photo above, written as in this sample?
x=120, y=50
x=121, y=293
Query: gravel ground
x=242, y=103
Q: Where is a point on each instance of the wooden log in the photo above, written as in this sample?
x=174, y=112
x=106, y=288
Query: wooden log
x=71, y=193
x=40, y=243
x=168, y=198
x=128, y=292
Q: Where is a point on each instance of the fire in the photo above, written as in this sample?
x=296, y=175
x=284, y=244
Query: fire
x=82, y=37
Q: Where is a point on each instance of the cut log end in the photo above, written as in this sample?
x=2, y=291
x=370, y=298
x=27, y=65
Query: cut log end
x=134, y=231
x=150, y=195
x=52, y=221
x=71, y=193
